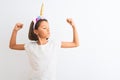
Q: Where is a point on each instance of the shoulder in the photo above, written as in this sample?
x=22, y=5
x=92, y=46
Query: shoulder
x=55, y=42
x=29, y=45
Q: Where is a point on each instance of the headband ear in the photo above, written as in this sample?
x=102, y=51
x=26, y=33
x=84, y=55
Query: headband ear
x=42, y=10
x=39, y=17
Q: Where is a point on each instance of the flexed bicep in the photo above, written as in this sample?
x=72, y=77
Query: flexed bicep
x=75, y=41
x=12, y=43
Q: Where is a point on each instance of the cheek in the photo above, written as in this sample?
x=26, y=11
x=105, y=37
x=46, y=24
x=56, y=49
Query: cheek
x=42, y=32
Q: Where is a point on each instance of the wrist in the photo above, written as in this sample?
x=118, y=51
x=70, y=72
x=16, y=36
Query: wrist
x=73, y=26
x=14, y=30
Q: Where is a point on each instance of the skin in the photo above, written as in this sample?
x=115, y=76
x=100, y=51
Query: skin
x=42, y=33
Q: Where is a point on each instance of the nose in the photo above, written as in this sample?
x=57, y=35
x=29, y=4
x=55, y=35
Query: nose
x=48, y=30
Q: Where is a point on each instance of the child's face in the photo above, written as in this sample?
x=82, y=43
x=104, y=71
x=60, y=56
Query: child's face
x=43, y=30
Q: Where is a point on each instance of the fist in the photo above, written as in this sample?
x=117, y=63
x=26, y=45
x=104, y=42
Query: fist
x=18, y=26
x=70, y=21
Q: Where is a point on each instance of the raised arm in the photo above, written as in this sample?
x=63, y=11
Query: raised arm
x=12, y=43
x=75, y=42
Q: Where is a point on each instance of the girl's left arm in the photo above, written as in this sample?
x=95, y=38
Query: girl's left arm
x=75, y=42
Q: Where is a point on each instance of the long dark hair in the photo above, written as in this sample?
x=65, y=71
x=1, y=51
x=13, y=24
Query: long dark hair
x=32, y=35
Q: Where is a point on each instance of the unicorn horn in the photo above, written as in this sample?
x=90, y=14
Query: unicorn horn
x=42, y=10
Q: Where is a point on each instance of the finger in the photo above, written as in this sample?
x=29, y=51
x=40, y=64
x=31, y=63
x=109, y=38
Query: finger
x=19, y=25
x=68, y=20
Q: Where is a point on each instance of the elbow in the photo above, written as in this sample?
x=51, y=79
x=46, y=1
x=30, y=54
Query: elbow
x=11, y=46
x=77, y=44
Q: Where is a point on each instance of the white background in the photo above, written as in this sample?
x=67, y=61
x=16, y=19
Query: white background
x=98, y=25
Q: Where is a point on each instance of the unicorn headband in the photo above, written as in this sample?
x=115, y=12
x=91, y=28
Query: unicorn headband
x=39, y=17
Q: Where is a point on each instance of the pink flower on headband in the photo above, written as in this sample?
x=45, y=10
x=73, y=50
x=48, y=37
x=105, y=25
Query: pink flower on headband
x=38, y=18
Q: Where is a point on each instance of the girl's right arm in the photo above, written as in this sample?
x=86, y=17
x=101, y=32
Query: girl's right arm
x=12, y=43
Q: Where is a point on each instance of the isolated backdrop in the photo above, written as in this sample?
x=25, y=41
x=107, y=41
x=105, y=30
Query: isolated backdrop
x=98, y=26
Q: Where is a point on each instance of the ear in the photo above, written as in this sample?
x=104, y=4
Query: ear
x=36, y=32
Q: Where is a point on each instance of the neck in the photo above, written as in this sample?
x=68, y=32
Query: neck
x=42, y=41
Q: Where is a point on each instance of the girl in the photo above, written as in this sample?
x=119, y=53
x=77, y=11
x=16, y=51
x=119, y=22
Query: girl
x=42, y=51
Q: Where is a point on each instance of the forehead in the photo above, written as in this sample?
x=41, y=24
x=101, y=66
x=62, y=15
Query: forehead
x=44, y=23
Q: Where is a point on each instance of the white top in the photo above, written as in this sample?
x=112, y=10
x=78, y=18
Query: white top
x=43, y=59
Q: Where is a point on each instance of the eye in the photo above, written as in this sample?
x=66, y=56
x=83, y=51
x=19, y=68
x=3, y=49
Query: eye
x=44, y=28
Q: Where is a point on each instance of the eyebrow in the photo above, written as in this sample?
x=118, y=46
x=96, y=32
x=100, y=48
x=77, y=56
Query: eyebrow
x=44, y=26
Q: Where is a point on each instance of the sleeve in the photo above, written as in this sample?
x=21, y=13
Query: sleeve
x=27, y=47
x=58, y=43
